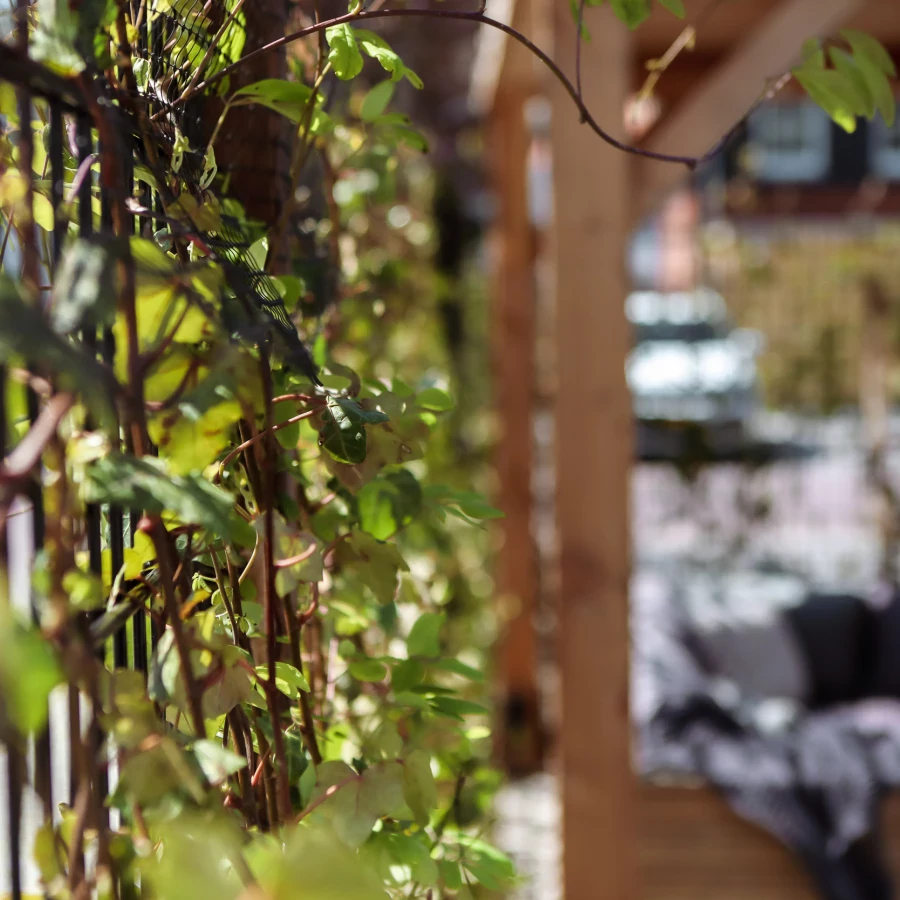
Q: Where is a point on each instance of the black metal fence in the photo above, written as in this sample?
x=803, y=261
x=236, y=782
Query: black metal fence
x=69, y=135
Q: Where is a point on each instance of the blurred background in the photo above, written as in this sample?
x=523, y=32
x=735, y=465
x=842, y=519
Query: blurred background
x=755, y=329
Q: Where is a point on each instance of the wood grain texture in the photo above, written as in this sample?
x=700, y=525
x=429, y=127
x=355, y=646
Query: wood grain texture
x=692, y=847
x=594, y=451
x=519, y=742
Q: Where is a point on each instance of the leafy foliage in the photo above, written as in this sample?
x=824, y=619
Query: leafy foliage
x=305, y=723
x=848, y=82
x=857, y=83
x=307, y=550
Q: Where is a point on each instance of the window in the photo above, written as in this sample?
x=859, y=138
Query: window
x=884, y=150
x=790, y=143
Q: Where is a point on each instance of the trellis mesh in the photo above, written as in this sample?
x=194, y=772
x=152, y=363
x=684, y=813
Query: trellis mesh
x=182, y=44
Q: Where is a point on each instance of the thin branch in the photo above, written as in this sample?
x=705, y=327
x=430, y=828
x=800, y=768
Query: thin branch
x=270, y=596
x=296, y=560
x=330, y=792
x=478, y=17
x=27, y=453
x=684, y=41
x=260, y=435
x=313, y=607
x=161, y=544
x=579, y=40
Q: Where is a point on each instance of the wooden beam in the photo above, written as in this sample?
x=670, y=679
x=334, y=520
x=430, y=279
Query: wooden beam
x=490, y=55
x=733, y=87
x=519, y=737
x=594, y=452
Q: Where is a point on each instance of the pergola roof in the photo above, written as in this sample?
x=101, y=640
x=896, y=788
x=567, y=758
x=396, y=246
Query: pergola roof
x=721, y=29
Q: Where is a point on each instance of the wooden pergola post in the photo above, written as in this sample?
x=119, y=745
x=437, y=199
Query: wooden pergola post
x=519, y=743
x=594, y=454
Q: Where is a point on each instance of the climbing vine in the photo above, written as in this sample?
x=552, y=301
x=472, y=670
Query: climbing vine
x=250, y=575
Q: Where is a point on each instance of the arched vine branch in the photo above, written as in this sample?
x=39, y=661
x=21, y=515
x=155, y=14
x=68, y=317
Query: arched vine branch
x=574, y=90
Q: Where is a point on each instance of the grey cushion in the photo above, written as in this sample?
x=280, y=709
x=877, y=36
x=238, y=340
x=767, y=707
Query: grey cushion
x=762, y=658
x=741, y=634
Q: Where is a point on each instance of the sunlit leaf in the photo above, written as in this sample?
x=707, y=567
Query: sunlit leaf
x=288, y=679
x=344, y=55
x=343, y=432
x=216, y=761
x=28, y=672
x=25, y=334
x=368, y=670
x=831, y=90
x=865, y=46
x=419, y=788
x=424, y=637
x=144, y=484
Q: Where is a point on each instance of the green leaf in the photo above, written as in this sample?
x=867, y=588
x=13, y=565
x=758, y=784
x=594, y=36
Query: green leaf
x=409, y=698
x=289, y=436
x=458, y=667
x=144, y=484
x=419, y=789
x=216, y=761
x=28, y=673
x=189, y=443
x=450, y=873
x=491, y=867
x=410, y=137
x=356, y=802
x=406, y=675
x=344, y=55
x=831, y=90
x=632, y=12
x=192, y=859
x=376, y=101
x=424, y=636
x=384, y=741
x=867, y=47
x=343, y=432
x=43, y=212
x=313, y=865
x=140, y=553
x=856, y=80
x=288, y=679
x=289, y=98
x=374, y=563
x=231, y=687
x=880, y=89
x=388, y=503
x=26, y=335
x=368, y=670
x=379, y=49
x=470, y=506
x=85, y=590
x=434, y=398
x=813, y=54
x=306, y=784
x=399, y=856
x=676, y=7
x=456, y=708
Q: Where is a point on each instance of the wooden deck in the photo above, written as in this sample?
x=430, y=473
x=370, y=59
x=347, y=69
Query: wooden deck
x=692, y=847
